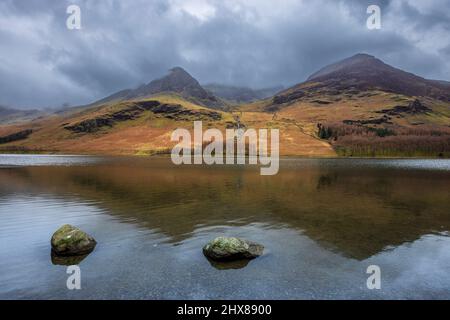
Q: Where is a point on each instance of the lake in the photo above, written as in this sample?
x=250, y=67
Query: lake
x=323, y=222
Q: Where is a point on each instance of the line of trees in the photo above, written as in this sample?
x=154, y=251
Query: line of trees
x=359, y=140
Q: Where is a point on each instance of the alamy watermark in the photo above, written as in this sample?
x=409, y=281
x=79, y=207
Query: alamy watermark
x=74, y=280
x=374, y=280
x=374, y=20
x=208, y=147
x=73, y=21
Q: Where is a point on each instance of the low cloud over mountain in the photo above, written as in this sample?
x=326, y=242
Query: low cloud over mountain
x=256, y=43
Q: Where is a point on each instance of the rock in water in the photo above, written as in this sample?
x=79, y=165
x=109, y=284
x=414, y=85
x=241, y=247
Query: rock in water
x=59, y=260
x=222, y=249
x=71, y=241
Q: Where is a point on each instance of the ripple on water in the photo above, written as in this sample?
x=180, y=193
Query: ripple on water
x=322, y=223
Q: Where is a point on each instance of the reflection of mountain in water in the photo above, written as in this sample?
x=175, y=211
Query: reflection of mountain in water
x=356, y=212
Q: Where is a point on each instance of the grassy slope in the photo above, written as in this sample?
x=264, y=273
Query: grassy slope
x=307, y=113
x=363, y=106
x=147, y=134
x=150, y=133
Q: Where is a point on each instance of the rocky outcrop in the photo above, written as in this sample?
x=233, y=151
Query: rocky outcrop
x=321, y=101
x=135, y=110
x=415, y=107
x=285, y=98
x=16, y=136
x=226, y=249
x=71, y=241
x=383, y=119
x=130, y=112
x=90, y=125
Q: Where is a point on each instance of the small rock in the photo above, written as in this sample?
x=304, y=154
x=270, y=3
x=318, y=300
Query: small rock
x=71, y=241
x=223, y=248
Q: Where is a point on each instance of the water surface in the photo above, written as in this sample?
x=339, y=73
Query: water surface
x=322, y=221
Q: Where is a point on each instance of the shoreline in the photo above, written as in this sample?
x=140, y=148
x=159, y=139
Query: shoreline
x=167, y=155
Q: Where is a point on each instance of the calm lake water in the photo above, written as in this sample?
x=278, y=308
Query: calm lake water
x=323, y=222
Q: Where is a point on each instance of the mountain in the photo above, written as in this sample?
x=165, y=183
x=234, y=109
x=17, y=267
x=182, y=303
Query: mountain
x=141, y=126
x=241, y=94
x=5, y=111
x=362, y=106
x=9, y=115
x=359, y=106
x=363, y=72
x=178, y=81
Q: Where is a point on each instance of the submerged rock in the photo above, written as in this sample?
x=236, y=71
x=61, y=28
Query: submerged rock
x=71, y=241
x=58, y=260
x=228, y=264
x=226, y=249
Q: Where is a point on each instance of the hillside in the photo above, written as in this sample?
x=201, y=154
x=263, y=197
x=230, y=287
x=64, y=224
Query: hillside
x=142, y=127
x=10, y=115
x=362, y=73
x=357, y=107
x=365, y=72
x=362, y=106
x=123, y=127
x=4, y=111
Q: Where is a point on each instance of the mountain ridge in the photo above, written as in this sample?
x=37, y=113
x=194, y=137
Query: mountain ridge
x=372, y=73
x=11, y=115
x=238, y=94
x=347, y=108
x=361, y=73
x=177, y=81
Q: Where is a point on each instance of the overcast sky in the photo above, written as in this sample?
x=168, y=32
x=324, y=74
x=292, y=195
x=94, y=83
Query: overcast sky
x=256, y=43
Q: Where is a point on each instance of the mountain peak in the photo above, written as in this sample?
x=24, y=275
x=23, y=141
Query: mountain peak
x=177, y=70
x=177, y=81
x=357, y=61
x=179, y=73
x=364, y=72
x=362, y=55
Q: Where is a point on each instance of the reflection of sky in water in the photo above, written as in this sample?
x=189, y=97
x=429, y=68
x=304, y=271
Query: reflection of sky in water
x=150, y=238
x=423, y=164
x=406, y=164
x=46, y=160
x=135, y=262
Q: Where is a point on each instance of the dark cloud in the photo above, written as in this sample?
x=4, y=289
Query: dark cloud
x=255, y=43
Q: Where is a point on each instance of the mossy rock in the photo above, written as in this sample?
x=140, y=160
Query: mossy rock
x=226, y=249
x=71, y=241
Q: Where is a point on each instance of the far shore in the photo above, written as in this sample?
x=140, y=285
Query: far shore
x=167, y=155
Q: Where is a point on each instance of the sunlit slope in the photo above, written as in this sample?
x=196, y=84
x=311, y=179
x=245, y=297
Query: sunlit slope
x=363, y=106
x=363, y=91
x=128, y=127
x=127, y=130
x=145, y=126
x=295, y=139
